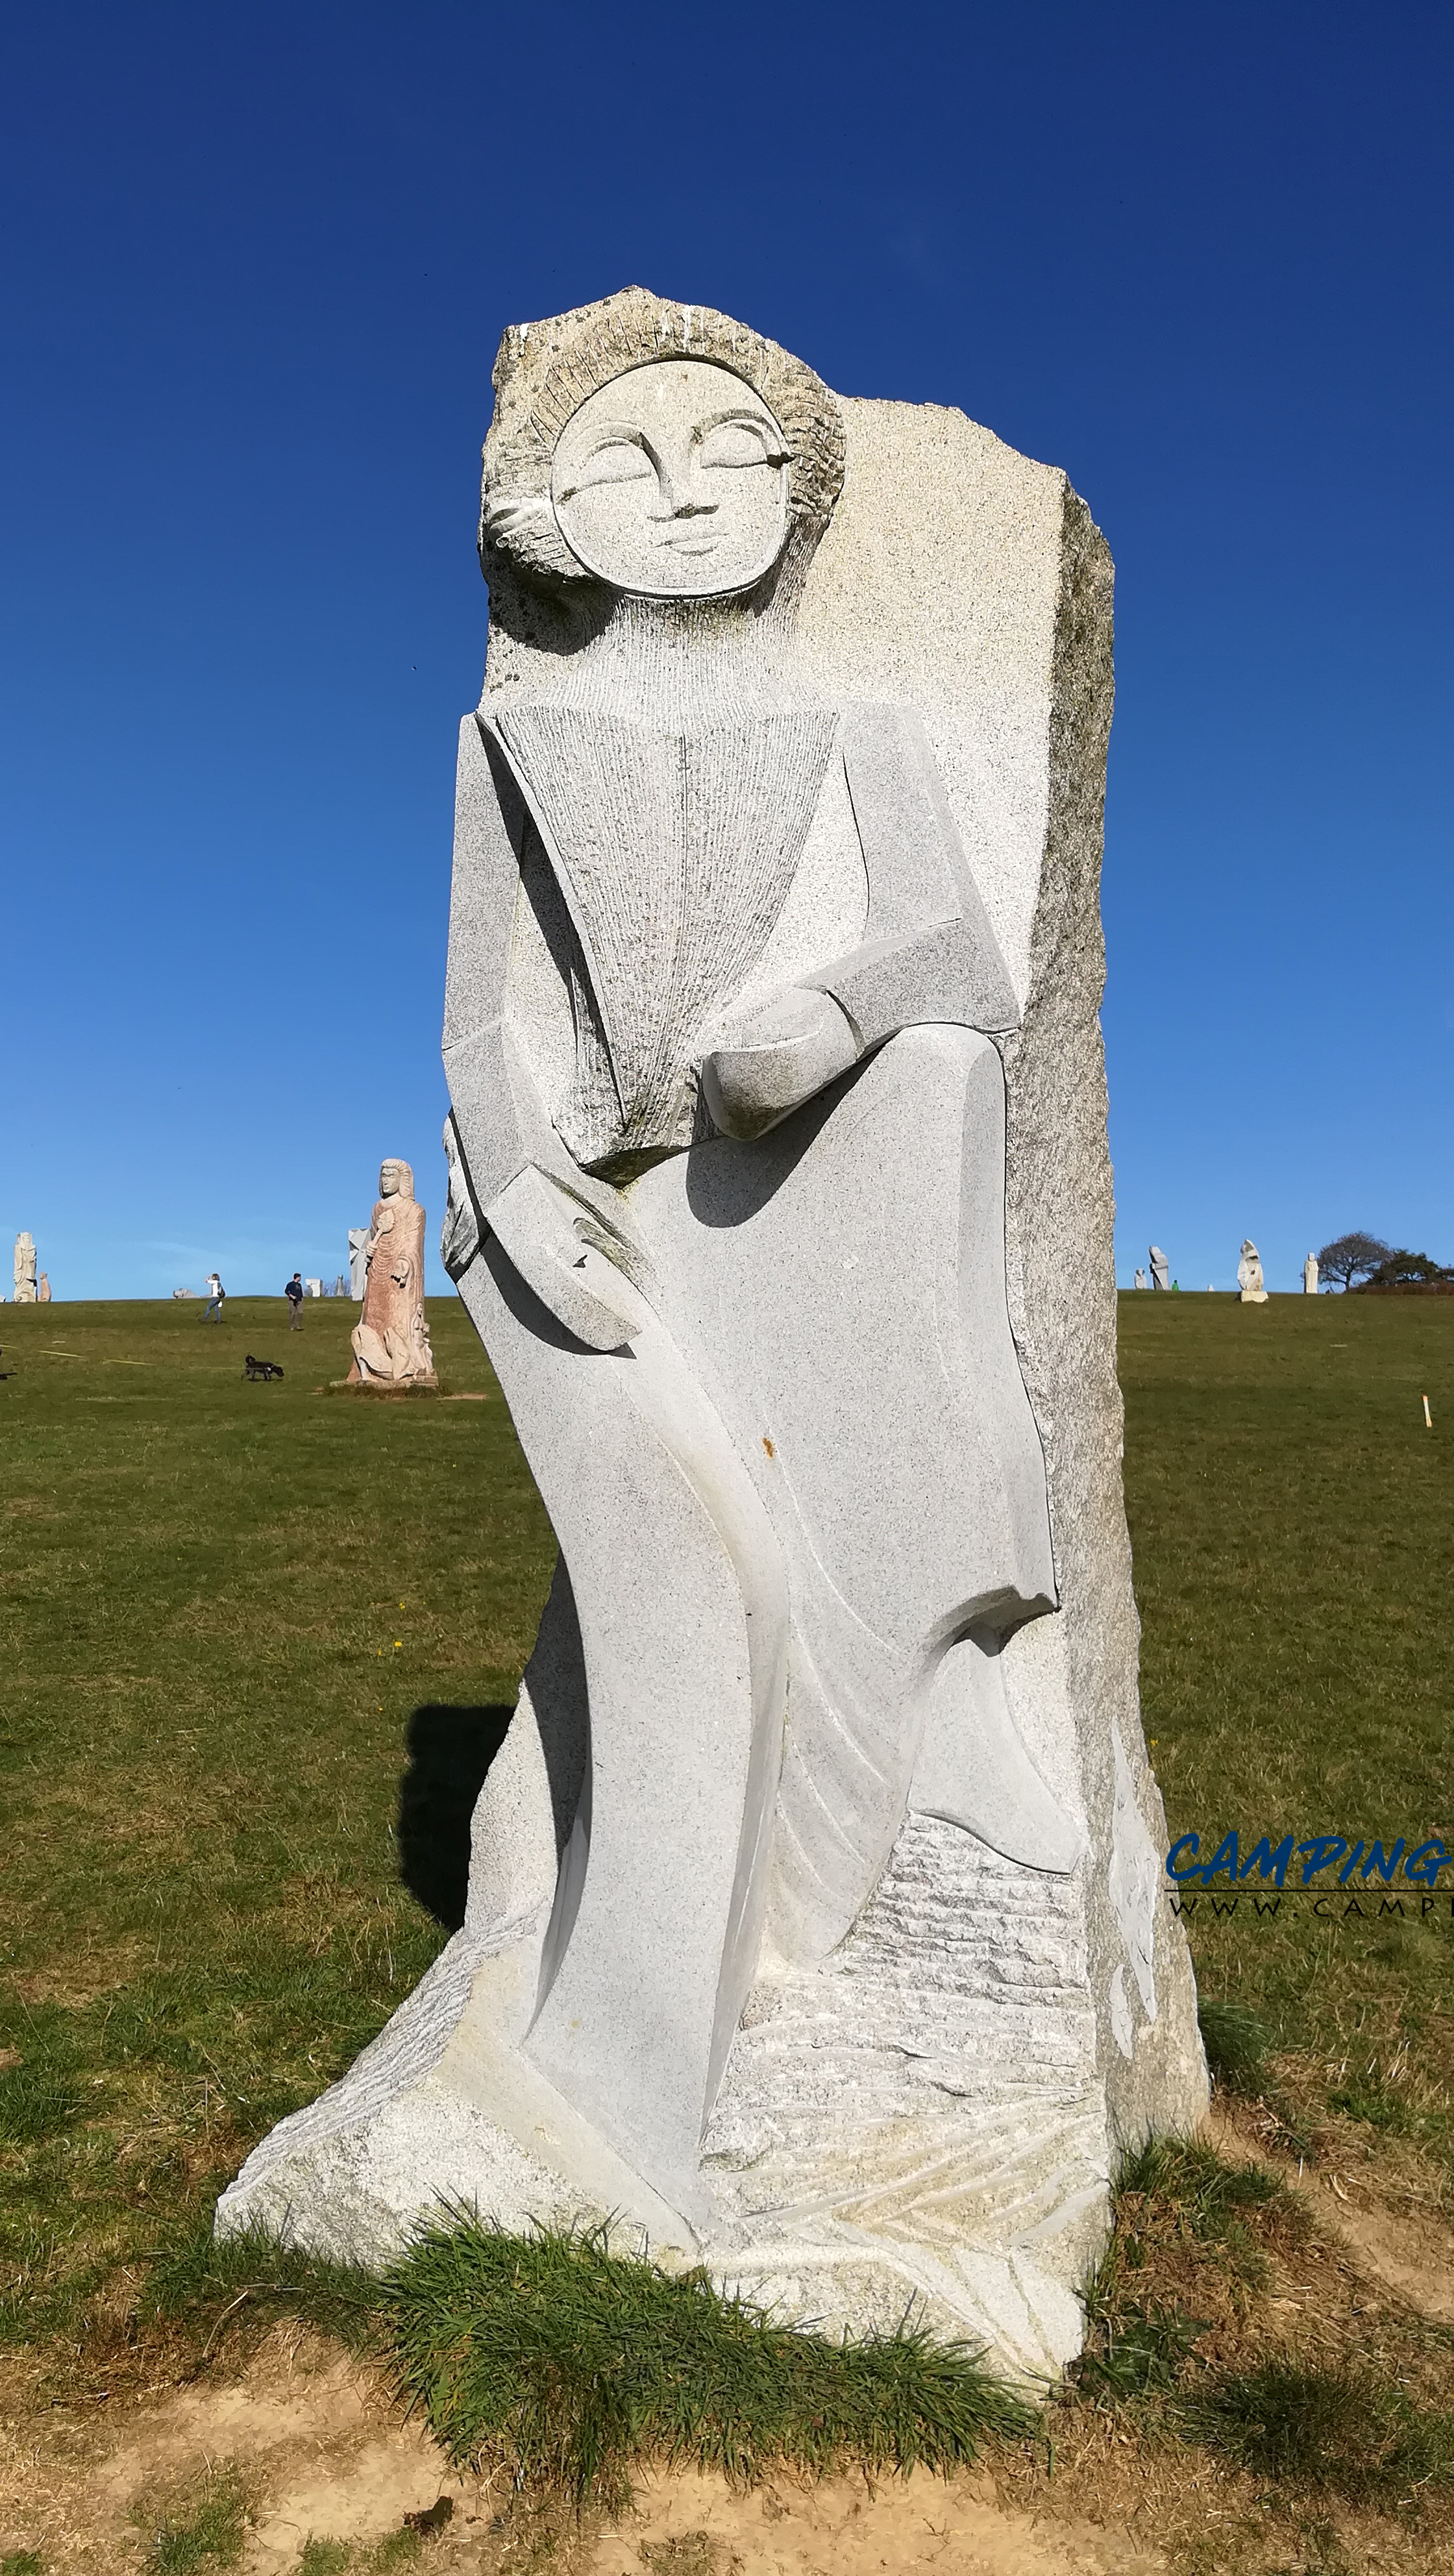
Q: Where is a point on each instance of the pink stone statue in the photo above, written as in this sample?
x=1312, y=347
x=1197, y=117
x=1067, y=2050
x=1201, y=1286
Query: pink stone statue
x=391, y=1337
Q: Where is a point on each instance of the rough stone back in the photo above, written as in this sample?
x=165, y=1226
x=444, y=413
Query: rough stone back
x=1060, y=1211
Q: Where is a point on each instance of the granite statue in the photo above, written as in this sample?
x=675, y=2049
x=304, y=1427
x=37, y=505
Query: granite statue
x=358, y=1261
x=391, y=1338
x=1310, y=1276
x=1160, y=1267
x=25, y=1291
x=1249, y=1276
x=815, y=1925
x=1141, y=1280
x=42, y=1292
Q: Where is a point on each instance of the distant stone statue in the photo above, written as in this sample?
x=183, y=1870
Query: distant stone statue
x=1160, y=1268
x=817, y=1923
x=1310, y=1276
x=25, y=1270
x=1141, y=1280
x=42, y=1293
x=1249, y=1276
x=358, y=1261
x=391, y=1337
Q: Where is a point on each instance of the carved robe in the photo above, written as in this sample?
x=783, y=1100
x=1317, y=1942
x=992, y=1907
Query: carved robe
x=802, y=1508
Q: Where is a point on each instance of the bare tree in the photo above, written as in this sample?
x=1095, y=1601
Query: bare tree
x=1350, y=1257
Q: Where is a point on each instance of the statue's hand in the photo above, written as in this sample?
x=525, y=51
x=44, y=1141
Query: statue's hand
x=558, y=1247
x=775, y=1059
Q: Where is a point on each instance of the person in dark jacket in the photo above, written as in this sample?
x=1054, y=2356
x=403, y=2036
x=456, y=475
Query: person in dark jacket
x=294, y=1294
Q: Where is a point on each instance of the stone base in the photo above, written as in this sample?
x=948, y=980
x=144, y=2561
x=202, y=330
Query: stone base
x=355, y=1385
x=910, y=2127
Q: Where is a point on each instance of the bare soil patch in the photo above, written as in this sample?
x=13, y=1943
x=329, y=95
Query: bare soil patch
x=322, y=2454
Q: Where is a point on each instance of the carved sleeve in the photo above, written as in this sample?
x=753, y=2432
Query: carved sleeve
x=929, y=953
x=504, y=1144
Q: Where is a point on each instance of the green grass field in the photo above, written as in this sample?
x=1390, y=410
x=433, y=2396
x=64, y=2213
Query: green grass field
x=220, y=1604
x=1292, y=1520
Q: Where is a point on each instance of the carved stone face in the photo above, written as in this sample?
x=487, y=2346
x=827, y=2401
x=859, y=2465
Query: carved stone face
x=391, y=1179
x=673, y=482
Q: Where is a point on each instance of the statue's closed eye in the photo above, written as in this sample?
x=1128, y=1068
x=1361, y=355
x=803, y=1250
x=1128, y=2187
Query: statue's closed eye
x=741, y=442
x=616, y=460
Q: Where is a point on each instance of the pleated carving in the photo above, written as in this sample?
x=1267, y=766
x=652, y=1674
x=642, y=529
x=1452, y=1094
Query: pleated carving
x=675, y=851
x=583, y=1105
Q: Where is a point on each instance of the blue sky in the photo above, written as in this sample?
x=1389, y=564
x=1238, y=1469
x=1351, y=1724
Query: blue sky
x=257, y=264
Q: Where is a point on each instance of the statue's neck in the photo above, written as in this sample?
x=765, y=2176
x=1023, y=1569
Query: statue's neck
x=683, y=659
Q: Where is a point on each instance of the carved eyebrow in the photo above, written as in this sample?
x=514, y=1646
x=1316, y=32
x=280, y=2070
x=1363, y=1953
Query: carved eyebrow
x=619, y=432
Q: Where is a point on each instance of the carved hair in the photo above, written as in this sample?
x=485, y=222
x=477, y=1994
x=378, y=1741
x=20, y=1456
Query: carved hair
x=545, y=371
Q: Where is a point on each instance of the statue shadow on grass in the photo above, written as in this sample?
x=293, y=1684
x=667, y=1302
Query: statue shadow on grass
x=450, y=1751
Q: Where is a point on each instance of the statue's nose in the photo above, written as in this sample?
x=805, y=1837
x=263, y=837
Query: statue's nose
x=683, y=493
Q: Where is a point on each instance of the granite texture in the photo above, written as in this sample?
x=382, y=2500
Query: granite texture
x=815, y=1922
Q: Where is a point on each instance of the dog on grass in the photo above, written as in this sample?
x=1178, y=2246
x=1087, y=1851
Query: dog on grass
x=264, y=1369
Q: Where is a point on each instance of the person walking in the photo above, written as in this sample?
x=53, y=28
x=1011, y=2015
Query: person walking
x=294, y=1294
x=215, y=1294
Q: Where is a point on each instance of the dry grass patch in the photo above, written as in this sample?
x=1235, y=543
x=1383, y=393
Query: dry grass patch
x=1251, y=2393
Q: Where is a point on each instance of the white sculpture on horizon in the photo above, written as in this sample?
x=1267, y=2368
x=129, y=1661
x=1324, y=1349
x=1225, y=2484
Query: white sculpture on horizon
x=1310, y=1276
x=1160, y=1268
x=1249, y=1276
x=25, y=1288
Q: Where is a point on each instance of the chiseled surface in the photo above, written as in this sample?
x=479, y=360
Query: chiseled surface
x=815, y=1923
x=924, y=2108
